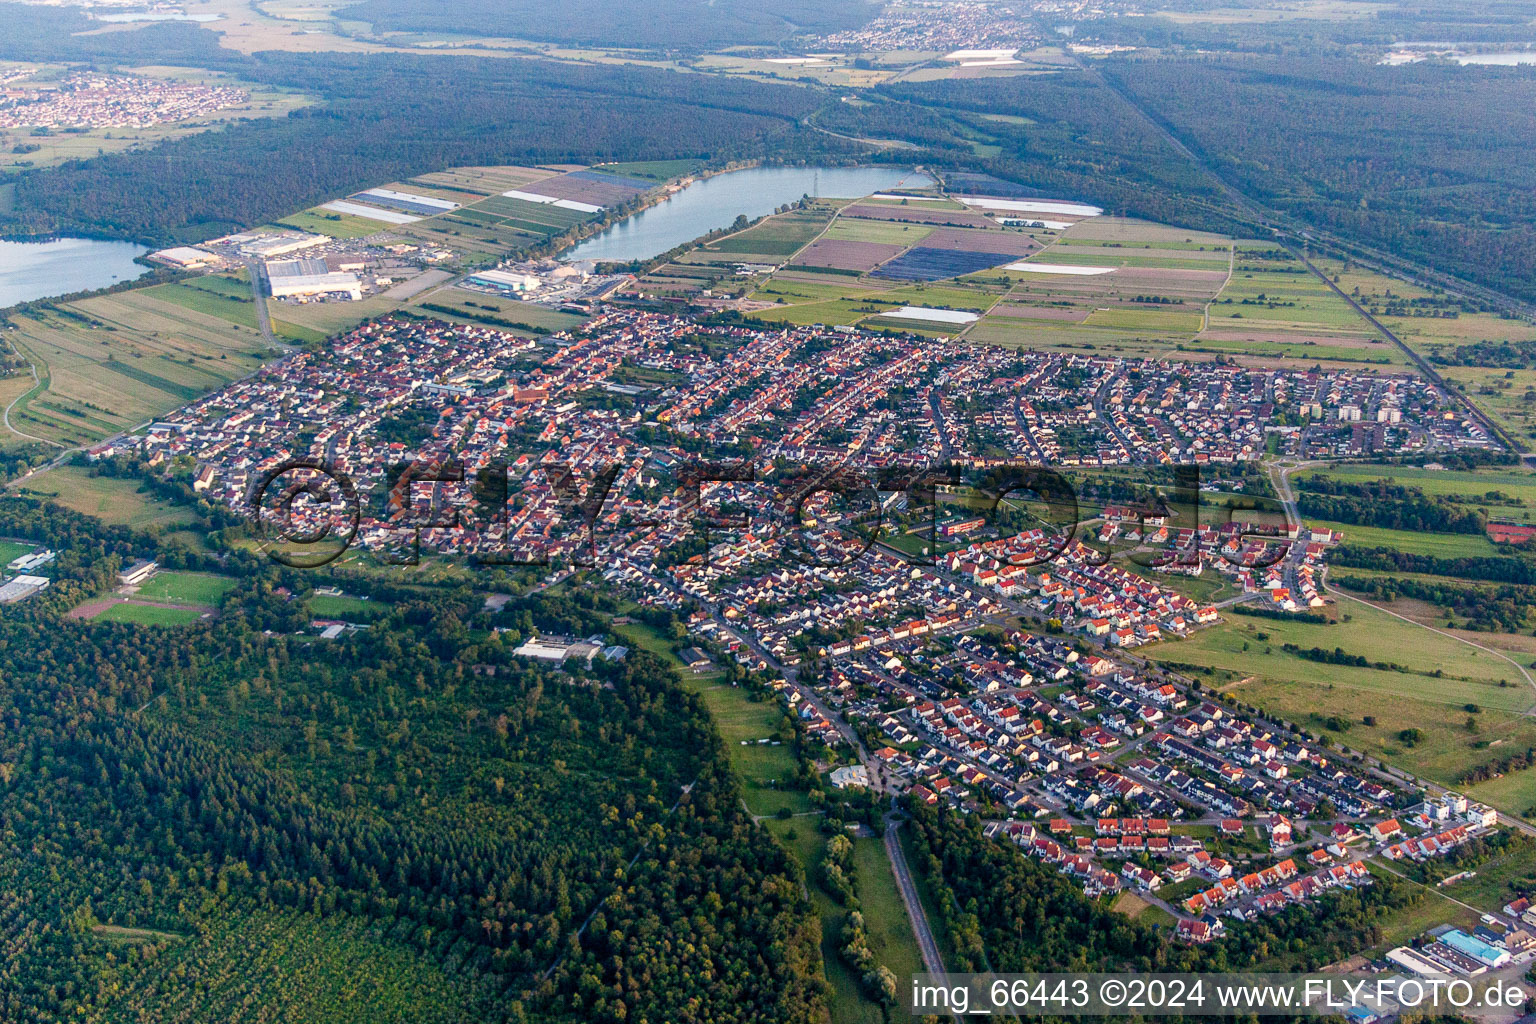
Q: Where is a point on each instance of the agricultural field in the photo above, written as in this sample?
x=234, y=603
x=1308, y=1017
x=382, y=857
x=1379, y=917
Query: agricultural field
x=224, y=297
x=775, y=238
x=319, y=221
x=514, y=315
x=1508, y=491
x=1126, y=287
x=1134, y=288
x=325, y=318
x=1440, y=545
x=1431, y=693
x=114, y=500
x=115, y=361
x=883, y=232
x=1274, y=304
x=481, y=181
x=838, y=254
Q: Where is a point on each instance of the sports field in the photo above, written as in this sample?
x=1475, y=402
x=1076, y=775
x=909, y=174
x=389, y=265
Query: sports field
x=197, y=588
x=148, y=614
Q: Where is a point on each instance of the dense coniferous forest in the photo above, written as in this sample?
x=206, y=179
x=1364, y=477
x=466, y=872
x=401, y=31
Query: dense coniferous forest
x=412, y=803
x=1470, y=21
x=1404, y=159
x=1086, y=143
x=441, y=112
x=34, y=32
x=663, y=24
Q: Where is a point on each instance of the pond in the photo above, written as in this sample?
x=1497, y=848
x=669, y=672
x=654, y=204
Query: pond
x=40, y=270
x=716, y=202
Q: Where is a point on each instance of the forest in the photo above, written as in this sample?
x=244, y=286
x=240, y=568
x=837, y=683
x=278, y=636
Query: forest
x=1504, y=609
x=416, y=804
x=1381, y=24
x=1384, y=504
x=442, y=112
x=1086, y=143
x=1403, y=159
x=1488, y=569
x=671, y=25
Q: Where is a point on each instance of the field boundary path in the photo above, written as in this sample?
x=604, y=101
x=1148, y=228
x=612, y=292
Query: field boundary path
x=37, y=384
x=933, y=960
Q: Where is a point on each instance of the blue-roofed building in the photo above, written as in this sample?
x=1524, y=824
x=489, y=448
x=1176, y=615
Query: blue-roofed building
x=1477, y=949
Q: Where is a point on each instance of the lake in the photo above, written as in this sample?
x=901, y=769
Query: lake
x=40, y=270
x=1499, y=59
x=716, y=202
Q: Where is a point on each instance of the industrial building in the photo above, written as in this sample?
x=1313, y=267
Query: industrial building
x=26, y=563
x=184, y=257
x=289, y=279
x=505, y=281
x=270, y=246
x=22, y=587
x=556, y=649
x=137, y=573
x=1468, y=945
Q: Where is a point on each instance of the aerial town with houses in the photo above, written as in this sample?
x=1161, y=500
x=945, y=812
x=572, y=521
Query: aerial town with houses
x=98, y=100
x=976, y=657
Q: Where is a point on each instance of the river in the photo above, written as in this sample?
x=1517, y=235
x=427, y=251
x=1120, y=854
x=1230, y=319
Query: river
x=40, y=270
x=716, y=202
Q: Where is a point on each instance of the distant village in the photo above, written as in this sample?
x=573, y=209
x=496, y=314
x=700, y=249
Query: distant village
x=91, y=99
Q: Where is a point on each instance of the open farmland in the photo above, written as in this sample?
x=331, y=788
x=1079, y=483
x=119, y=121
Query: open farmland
x=928, y=263
x=326, y=318
x=595, y=188
x=320, y=221
x=914, y=214
x=1141, y=289
x=878, y=231
x=842, y=255
x=1274, y=306
x=112, y=362
x=484, y=181
x=778, y=237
